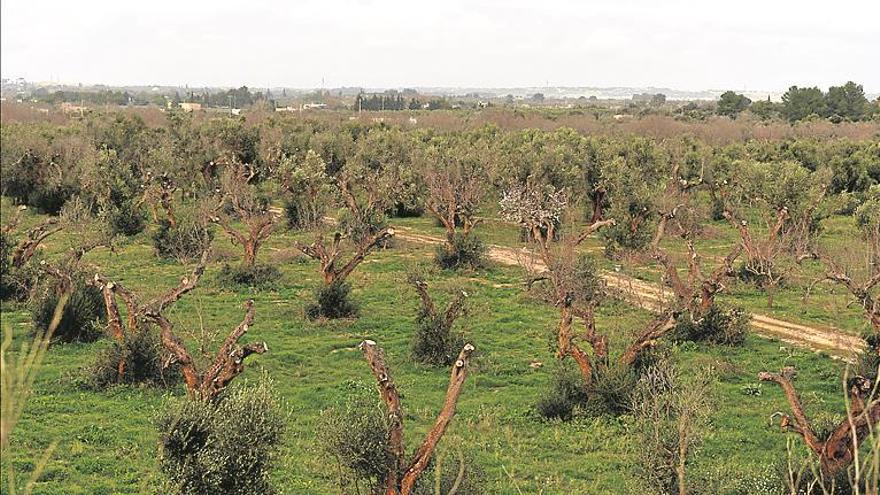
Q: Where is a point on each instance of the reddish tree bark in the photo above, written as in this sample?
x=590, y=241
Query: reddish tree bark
x=401, y=479
x=138, y=313
x=836, y=452
x=328, y=256
x=26, y=248
x=227, y=364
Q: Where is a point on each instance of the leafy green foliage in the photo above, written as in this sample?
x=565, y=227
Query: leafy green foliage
x=436, y=342
x=256, y=276
x=732, y=104
x=81, y=315
x=333, y=301
x=355, y=434
x=717, y=326
x=144, y=361
x=566, y=392
x=464, y=251
x=226, y=446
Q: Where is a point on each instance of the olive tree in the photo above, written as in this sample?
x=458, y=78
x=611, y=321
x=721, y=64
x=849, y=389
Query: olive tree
x=456, y=183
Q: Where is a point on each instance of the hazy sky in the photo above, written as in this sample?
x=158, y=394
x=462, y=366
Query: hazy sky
x=709, y=44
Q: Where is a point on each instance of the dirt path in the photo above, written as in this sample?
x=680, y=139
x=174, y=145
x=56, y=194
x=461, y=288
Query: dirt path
x=652, y=297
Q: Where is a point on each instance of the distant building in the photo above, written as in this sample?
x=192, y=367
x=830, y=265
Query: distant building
x=190, y=107
x=67, y=107
x=314, y=106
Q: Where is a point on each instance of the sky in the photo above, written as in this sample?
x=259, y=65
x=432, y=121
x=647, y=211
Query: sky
x=688, y=45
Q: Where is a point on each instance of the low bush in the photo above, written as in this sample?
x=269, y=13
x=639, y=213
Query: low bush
x=717, y=326
x=16, y=284
x=567, y=391
x=127, y=220
x=183, y=242
x=610, y=392
x=256, y=276
x=869, y=360
x=81, y=317
x=447, y=470
x=224, y=446
x=355, y=433
x=302, y=216
x=464, y=252
x=332, y=301
x=143, y=357
x=50, y=199
x=436, y=342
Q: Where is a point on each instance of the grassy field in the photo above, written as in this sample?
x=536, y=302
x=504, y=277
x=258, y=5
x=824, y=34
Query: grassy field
x=109, y=441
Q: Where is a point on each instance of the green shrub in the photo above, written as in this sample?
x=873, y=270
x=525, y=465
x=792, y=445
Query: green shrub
x=127, y=220
x=608, y=394
x=256, y=276
x=16, y=284
x=566, y=392
x=183, y=242
x=436, y=342
x=610, y=391
x=621, y=237
x=144, y=359
x=301, y=215
x=7, y=289
x=717, y=326
x=407, y=210
x=444, y=472
x=50, y=199
x=333, y=301
x=80, y=319
x=226, y=446
x=355, y=433
x=464, y=252
x=869, y=360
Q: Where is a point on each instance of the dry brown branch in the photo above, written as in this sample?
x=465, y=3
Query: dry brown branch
x=328, y=255
x=228, y=362
x=402, y=478
x=26, y=248
x=837, y=451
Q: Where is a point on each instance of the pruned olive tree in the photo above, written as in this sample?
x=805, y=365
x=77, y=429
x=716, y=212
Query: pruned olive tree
x=402, y=475
x=576, y=287
x=131, y=336
x=204, y=381
x=456, y=182
x=837, y=450
x=784, y=200
x=248, y=207
x=363, y=196
x=436, y=340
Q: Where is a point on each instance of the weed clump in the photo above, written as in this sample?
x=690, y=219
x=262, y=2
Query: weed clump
x=139, y=359
x=183, y=242
x=255, y=276
x=566, y=392
x=717, y=326
x=80, y=319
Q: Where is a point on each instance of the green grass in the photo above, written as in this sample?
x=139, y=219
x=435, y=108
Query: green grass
x=109, y=442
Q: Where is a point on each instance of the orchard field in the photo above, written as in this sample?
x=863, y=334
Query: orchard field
x=612, y=282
